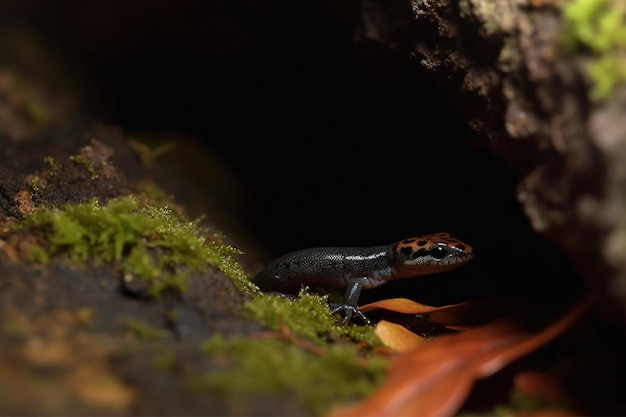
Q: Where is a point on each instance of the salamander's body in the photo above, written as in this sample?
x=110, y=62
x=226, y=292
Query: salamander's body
x=357, y=268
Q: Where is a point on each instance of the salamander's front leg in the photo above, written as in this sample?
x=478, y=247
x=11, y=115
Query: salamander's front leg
x=349, y=307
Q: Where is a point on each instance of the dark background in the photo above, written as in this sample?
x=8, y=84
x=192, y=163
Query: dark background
x=335, y=141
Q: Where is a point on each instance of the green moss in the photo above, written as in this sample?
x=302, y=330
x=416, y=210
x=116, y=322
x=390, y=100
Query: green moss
x=143, y=330
x=152, y=243
x=148, y=155
x=13, y=327
x=271, y=366
x=36, y=184
x=164, y=361
x=157, y=197
x=32, y=105
x=54, y=165
x=308, y=316
x=81, y=160
x=599, y=26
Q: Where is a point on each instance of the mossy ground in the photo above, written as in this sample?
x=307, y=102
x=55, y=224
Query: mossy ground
x=151, y=243
x=156, y=245
x=274, y=367
x=151, y=240
x=307, y=316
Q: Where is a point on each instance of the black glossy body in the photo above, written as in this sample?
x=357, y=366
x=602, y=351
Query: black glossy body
x=330, y=266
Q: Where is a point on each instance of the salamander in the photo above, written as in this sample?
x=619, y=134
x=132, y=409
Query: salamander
x=357, y=268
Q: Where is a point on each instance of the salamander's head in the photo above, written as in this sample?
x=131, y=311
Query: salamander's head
x=430, y=254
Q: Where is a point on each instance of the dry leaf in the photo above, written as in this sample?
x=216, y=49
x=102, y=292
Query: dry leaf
x=397, y=337
x=399, y=305
x=435, y=379
x=454, y=316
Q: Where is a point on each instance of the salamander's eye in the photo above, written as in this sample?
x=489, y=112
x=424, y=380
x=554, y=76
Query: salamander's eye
x=438, y=252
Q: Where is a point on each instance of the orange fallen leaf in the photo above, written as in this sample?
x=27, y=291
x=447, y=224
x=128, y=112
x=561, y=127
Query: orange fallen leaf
x=454, y=316
x=398, y=337
x=435, y=379
x=399, y=305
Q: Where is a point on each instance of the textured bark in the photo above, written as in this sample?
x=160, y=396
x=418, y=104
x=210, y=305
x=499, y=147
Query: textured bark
x=503, y=66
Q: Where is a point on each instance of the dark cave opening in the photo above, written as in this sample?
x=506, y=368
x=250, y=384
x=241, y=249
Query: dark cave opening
x=336, y=142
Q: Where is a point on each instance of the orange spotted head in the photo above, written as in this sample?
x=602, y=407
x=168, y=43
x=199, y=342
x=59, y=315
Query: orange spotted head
x=429, y=254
